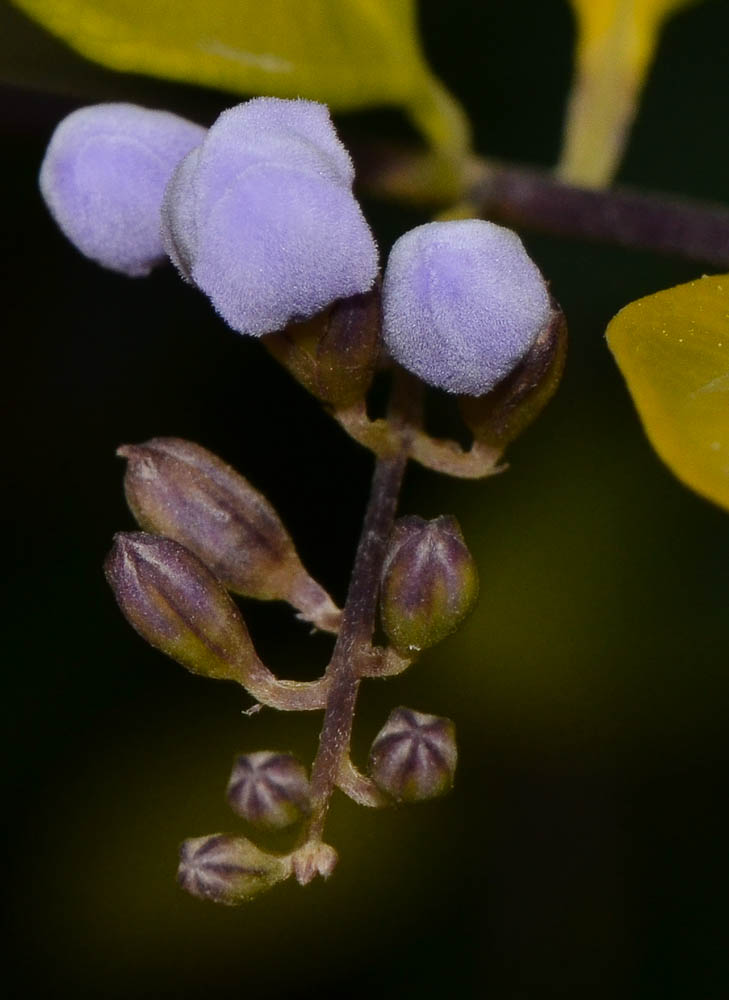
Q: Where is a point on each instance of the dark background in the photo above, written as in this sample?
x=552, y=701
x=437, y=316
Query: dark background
x=581, y=852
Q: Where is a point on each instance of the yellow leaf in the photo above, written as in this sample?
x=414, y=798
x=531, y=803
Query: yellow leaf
x=673, y=349
x=347, y=53
x=616, y=40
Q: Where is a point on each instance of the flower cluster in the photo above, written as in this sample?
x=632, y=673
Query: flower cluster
x=258, y=212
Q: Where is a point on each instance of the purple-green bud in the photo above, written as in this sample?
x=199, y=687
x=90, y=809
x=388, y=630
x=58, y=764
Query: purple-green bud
x=176, y=604
x=501, y=415
x=229, y=870
x=269, y=790
x=413, y=757
x=334, y=354
x=429, y=582
x=178, y=489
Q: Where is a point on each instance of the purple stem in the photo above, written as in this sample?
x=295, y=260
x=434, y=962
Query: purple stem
x=530, y=199
x=353, y=649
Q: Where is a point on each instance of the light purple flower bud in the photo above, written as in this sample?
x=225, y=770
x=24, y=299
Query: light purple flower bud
x=462, y=304
x=103, y=178
x=262, y=219
x=275, y=132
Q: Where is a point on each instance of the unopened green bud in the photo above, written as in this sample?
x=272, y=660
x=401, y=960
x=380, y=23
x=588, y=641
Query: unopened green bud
x=502, y=414
x=429, y=582
x=178, y=489
x=334, y=354
x=270, y=790
x=178, y=606
x=414, y=755
x=229, y=870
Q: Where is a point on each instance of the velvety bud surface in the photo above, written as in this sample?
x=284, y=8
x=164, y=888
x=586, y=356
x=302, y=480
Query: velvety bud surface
x=275, y=132
x=462, y=304
x=269, y=789
x=176, y=604
x=414, y=755
x=429, y=582
x=263, y=220
x=229, y=870
x=178, y=217
x=104, y=176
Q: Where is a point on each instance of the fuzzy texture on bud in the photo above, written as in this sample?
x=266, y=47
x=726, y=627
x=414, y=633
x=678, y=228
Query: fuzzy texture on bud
x=104, y=176
x=229, y=870
x=261, y=216
x=462, y=304
x=429, y=582
x=178, y=606
x=414, y=755
x=269, y=790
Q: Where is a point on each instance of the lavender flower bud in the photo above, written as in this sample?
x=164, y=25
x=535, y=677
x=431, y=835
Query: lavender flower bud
x=271, y=130
x=179, y=489
x=262, y=218
x=413, y=757
x=178, y=606
x=270, y=790
x=229, y=870
x=104, y=176
x=429, y=582
x=462, y=304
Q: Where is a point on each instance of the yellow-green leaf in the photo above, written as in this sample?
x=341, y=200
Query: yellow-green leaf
x=673, y=349
x=347, y=53
x=616, y=40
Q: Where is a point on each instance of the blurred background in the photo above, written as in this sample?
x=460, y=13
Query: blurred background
x=582, y=847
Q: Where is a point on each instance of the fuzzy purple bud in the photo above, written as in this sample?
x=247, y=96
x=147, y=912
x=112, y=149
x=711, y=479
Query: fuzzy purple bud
x=262, y=218
x=274, y=132
x=462, y=304
x=103, y=179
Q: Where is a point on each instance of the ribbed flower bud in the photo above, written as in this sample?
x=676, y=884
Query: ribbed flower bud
x=462, y=304
x=178, y=489
x=335, y=353
x=501, y=415
x=229, y=870
x=429, y=582
x=269, y=790
x=261, y=216
x=178, y=606
x=103, y=179
x=413, y=757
